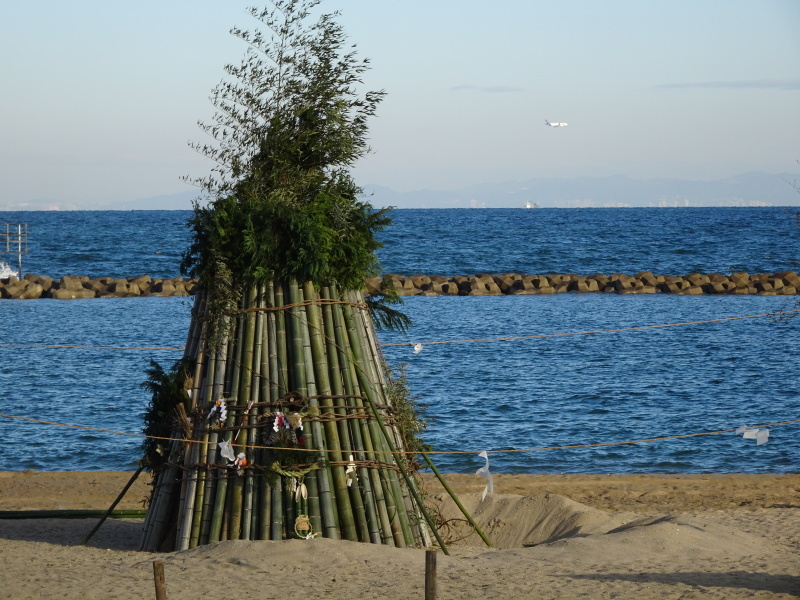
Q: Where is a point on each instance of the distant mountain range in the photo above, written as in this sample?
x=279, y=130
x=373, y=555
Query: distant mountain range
x=748, y=189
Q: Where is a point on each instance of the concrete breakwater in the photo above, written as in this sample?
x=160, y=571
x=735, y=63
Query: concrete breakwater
x=71, y=287
x=786, y=283
x=645, y=282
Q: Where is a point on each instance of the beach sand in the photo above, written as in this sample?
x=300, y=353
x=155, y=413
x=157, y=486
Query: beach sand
x=555, y=536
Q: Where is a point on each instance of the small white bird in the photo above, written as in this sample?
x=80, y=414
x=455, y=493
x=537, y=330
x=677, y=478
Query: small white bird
x=417, y=348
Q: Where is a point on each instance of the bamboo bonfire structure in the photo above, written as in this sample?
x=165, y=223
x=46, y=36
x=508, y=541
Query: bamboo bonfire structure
x=280, y=419
x=288, y=432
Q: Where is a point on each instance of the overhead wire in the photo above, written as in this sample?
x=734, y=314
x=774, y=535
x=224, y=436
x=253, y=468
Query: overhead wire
x=412, y=452
x=462, y=341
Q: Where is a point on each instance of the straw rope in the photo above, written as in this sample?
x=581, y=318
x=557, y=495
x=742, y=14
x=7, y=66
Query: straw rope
x=505, y=451
x=310, y=302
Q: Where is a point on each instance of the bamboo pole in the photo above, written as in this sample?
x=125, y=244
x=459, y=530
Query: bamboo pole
x=452, y=494
x=378, y=364
x=327, y=500
x=188, y=499
x=370, y=394
x=349, y=432
x=347, y=511
x=250, y=523
x=366, y=429
x=111, y=508
x=220, y=500
x=376, y=514
x=400, y=524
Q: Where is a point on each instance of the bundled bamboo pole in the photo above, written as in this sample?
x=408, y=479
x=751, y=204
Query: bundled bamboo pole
x=295, y=355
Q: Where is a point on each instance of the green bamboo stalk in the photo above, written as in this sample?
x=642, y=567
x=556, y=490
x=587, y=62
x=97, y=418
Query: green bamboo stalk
x=210, y=489
x=265, y=501
x=378, y=373
x=197, y=518
x=269, y=391
x=400, y=525
x=349, y=378
x=192, y=348
x=288, y=508
x=300, y=379
x=243, y=367
x=235, y=511
x=187, y=503
x=349, y=434
x=111, y=510
x=339, y=445
x=369, y=389
x=252, y=394
x=452, y=494
x=167, y=488
x=276, y=527
x=220, y=500
x=282, y=343
x=248, y=350
x=236, y=350
x=342, y=385
x=323, y=474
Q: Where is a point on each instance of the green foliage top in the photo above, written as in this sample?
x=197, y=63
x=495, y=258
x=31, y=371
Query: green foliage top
x=290, y=123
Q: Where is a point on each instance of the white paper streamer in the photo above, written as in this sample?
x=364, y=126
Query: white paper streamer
x=301, y=493
x=351, y=468
x=484, y=472
x=218, y=412
x=761, y=436
x=226, y=450
x=241, y=460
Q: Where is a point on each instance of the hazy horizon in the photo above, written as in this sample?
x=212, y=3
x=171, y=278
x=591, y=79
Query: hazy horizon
x=101, y=99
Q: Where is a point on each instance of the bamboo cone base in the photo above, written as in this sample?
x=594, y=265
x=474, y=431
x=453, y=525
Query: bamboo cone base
x=307, y=407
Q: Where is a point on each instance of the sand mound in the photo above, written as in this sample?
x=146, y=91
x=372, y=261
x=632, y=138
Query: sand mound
x=512, y=521
x=569, y=528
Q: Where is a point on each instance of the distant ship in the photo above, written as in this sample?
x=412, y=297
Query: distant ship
x=531, y=205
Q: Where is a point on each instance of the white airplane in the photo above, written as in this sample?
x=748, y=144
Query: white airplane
x=549, y=124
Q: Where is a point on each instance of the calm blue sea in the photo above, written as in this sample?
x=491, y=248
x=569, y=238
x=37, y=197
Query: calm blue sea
x=515, y=394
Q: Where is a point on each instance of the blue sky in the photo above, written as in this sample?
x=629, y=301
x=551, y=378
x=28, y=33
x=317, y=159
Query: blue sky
x=101, y=97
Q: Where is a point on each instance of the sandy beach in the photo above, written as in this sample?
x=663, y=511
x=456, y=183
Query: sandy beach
x=555, y=536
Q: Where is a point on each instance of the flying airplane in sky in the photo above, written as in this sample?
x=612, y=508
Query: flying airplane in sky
x=549, y=124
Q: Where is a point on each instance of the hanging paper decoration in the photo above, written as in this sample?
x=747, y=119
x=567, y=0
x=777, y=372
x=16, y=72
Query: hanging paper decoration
x=226, y=450
x=241, y=461
x=484, y=472
x=279, y=422
x=218, y=412
x=758, y=434
x=299, y=489
x=351, y=468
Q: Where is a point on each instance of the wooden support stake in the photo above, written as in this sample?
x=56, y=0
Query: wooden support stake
x=158, y=575
x=430, y=575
